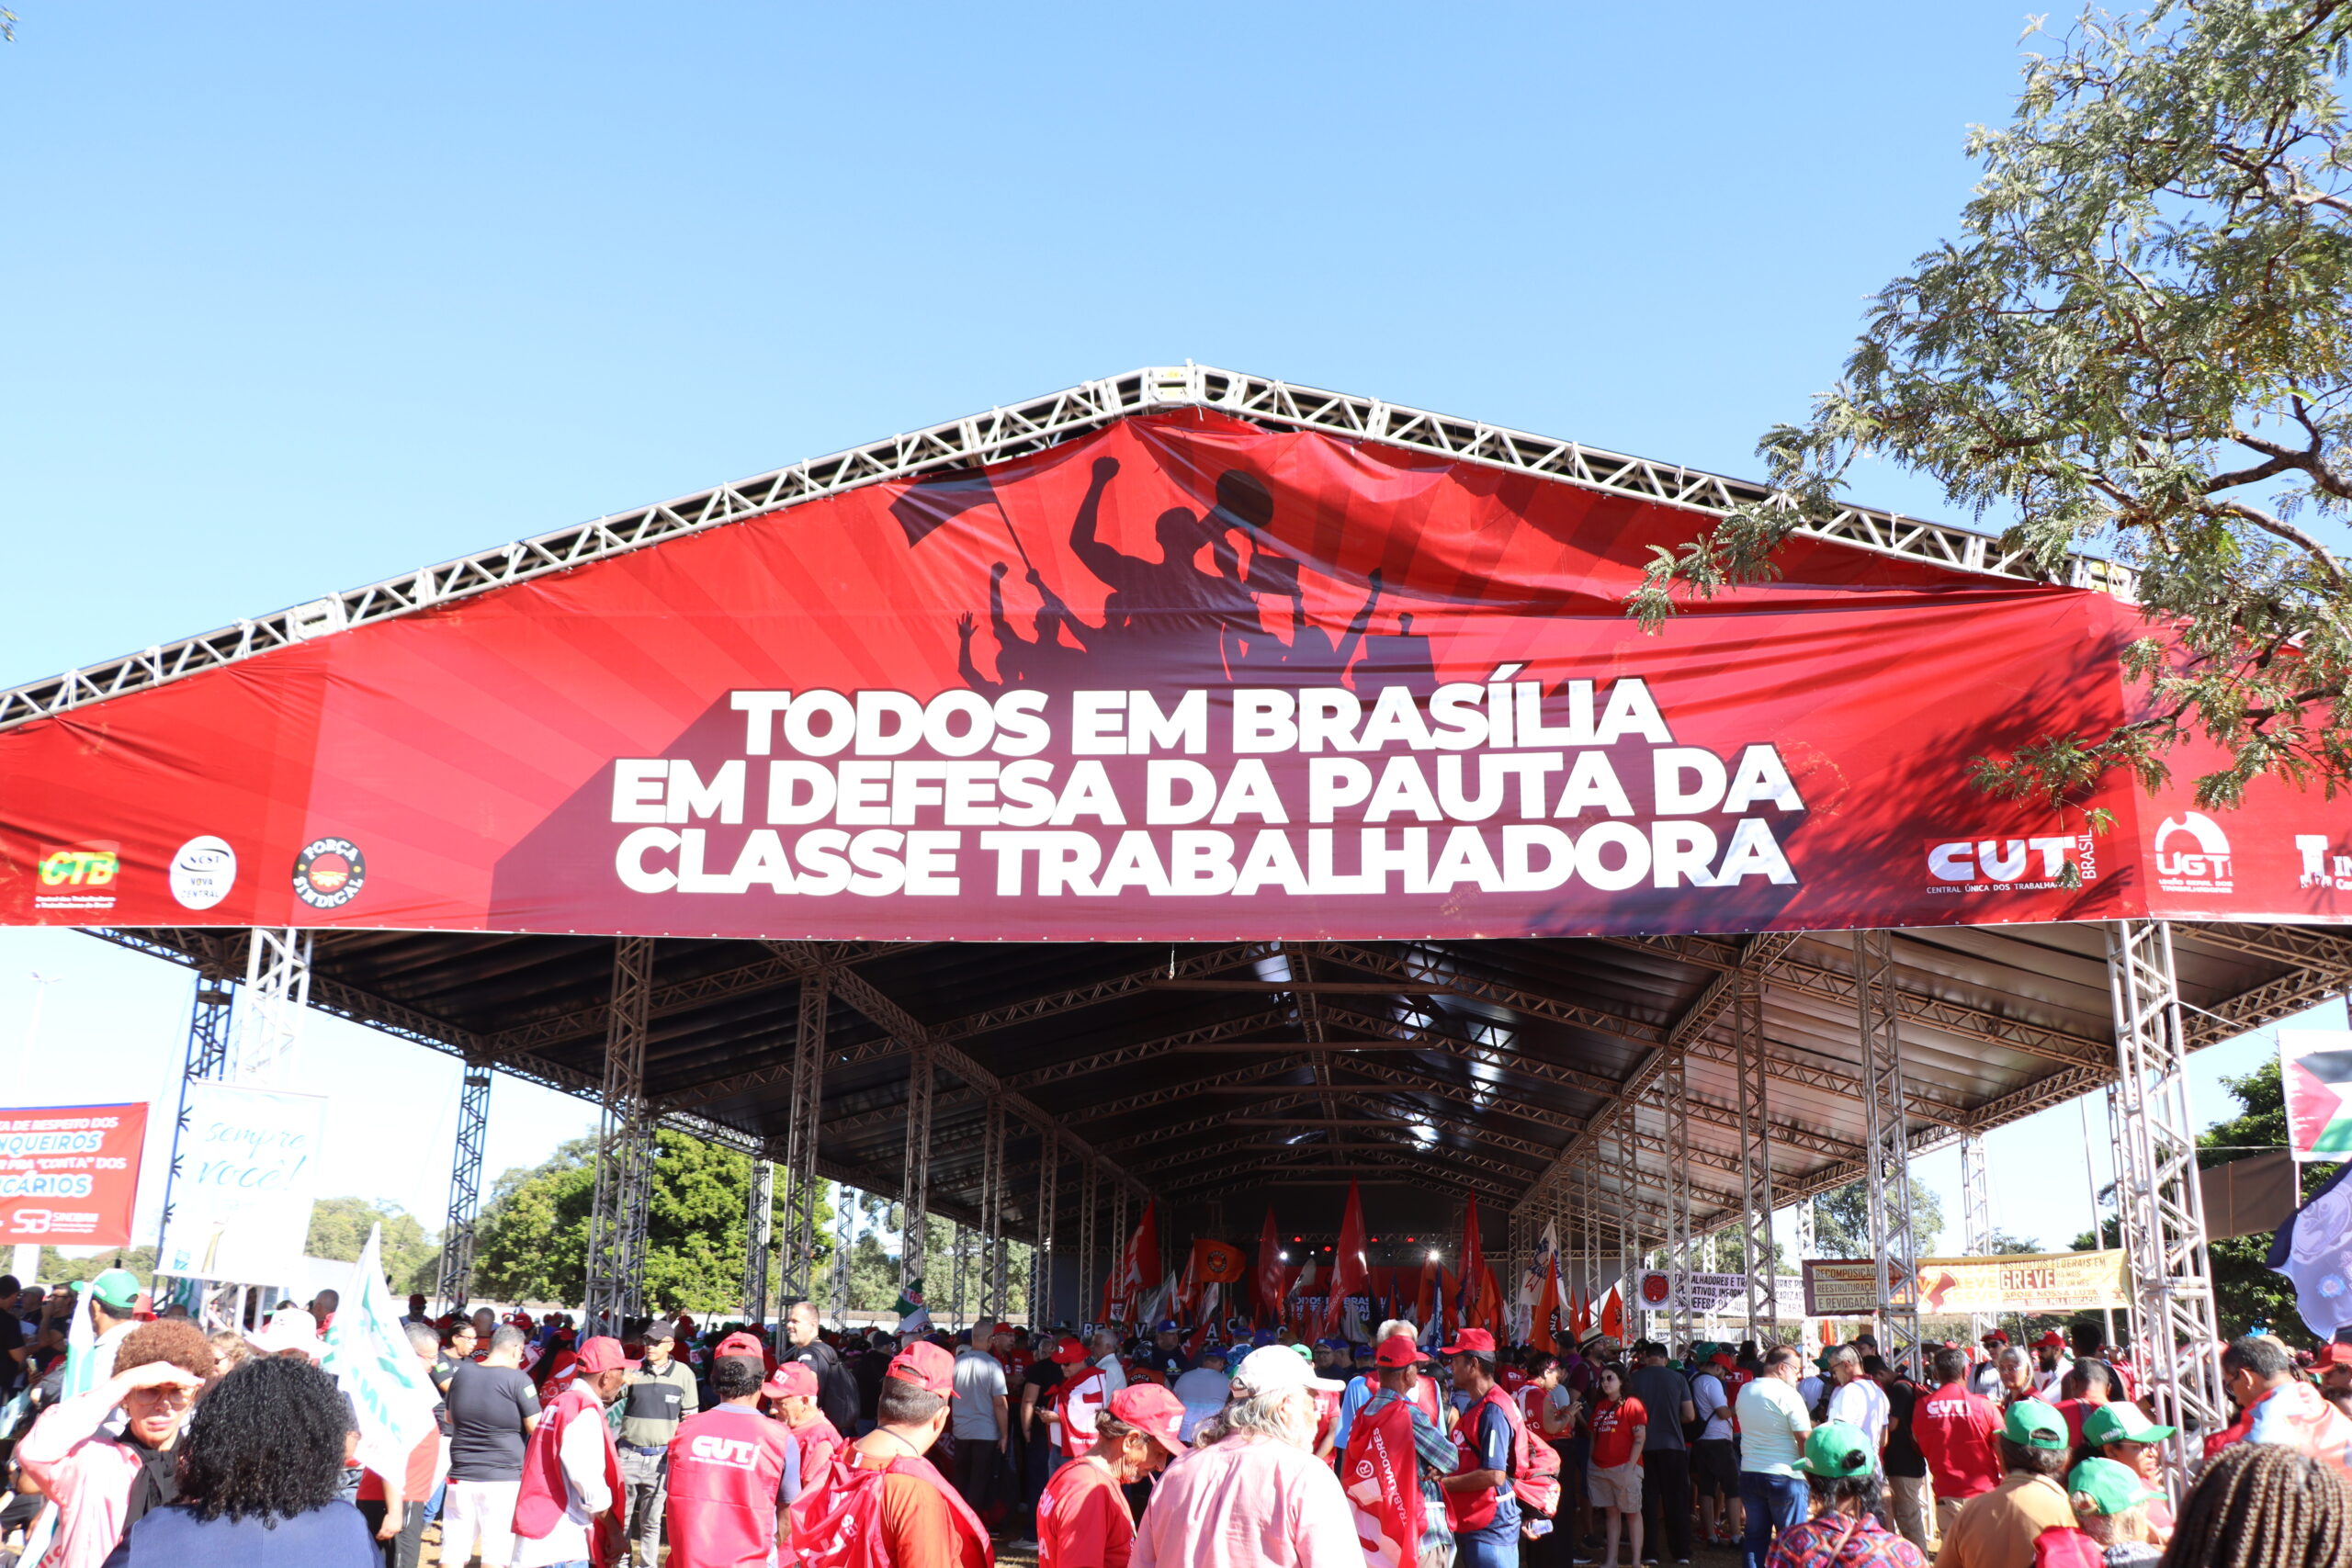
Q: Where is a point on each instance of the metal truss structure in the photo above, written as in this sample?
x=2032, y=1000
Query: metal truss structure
x=2159, y=1197
x=1090, y=1197
x=914, y=1188
x=803, y=1186
x=1758, y=1201
x=1002, y=432
x=1887, y=1179
x=759, y=1239
x=621, y=1210
x=277, y=988
x=456, y=1281
x=1975, y=1210
x=1674, y=1103
x=210, y=1021
x=1042, y=1248
x=992, y=1232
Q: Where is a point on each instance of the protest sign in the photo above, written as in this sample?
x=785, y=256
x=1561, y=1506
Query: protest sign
x=248, y=1170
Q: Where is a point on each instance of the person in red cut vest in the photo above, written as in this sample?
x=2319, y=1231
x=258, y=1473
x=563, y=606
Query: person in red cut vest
x=883, y=1505
x=793, y=1396
x=571, y=1473
x=1078, y=1398
x=1082, y=1518
x=1390, y=1467
x=733, y=1476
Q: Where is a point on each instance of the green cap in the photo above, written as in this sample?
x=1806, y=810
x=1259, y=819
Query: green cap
x=116, y=1290
x=2030, y=1424
x=1837, y=1448
x=2121, y=1424
x=2111, y=1487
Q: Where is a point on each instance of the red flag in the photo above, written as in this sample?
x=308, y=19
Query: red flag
x=1448, y=1295
x=1473, y=1274
x=1138, y=1271
x=1580, y=1314
x=1613, y=1315
x=1269, y=1273
x=1490, y=1303
x=1216, y=1263
x=1539, y=1325
x=1349, y=1273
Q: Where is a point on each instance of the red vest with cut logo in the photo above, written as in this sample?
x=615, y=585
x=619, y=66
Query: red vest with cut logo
x=539, y=1507
x=725, y=1467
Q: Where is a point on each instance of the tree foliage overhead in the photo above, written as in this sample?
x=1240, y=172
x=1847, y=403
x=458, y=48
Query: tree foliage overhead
x=2138, y=343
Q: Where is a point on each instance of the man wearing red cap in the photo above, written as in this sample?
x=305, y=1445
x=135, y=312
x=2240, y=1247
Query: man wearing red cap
x=2051, y=1364
x=794, y=1390
x=884, y=1505
x=1394, y=1454
x=733, y=1474
x=1479, y=1504
x=572, y=1474
x=1082, y=1518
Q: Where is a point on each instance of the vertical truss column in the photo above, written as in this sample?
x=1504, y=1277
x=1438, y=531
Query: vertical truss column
x=1629, y=1201
x=1887, y=1147
x=992, y=1303
x=759, y=1238
x=1975, y=1210
x=801, y=1184
x=959, y=1248
x=1041, y=1256
x=1089, y=1241
x=1674, y=1099
x=209, y=1023
x=840, y=1255
x=1755, y=1155
x=2157, y=1195
x=456, y=1281
x=277, y=989
x=914, y=1191
x=618, y=1217
x=1118, y=1234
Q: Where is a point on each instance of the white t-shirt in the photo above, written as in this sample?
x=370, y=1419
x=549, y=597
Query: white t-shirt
x=1114, y=1373
x=2047, y=1383
x=1809, y=1390
x=1861, y=1403
x=1203, y=1390
x=1707, y=1399
x=1772, y=1424
x=979, y=1380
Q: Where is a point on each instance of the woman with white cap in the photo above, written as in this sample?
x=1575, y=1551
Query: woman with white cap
x=1257, y=1496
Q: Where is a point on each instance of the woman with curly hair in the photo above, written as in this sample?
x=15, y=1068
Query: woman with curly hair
x=2264, y=1505
x=260, y=1465
x=103, y=1484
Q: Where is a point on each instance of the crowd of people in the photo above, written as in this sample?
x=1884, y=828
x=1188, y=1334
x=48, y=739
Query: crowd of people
x=733, y=1446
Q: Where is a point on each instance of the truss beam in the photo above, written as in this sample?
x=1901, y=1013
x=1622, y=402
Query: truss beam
x=1886, y=1116
x=618, y=1216
x=457, y=1280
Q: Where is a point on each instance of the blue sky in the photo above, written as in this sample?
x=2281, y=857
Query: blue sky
x=303, y=296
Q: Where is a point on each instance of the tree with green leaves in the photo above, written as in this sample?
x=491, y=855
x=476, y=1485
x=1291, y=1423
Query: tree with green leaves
x=339, y=1228
x=1841, y=1221
x=2141, y=343
x=2244, y=1289
x=531, y=1243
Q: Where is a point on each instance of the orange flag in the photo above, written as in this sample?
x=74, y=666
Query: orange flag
x=1613, y=1315
x=1539, y=1325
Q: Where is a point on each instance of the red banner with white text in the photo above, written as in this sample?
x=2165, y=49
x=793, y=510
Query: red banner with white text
x=69, y=1174
x=1183, y=679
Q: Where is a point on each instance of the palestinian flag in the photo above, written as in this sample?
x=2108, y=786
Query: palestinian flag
x=913, y=1316
x=2315, y=1068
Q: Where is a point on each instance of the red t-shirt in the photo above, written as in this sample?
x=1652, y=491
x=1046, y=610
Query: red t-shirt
x=1612, y=1431
x=1083, y=1519
x=420, y=1476
x=1954, y=1430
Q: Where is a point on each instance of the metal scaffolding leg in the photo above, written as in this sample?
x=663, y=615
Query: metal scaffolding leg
x=1674, y=1099
x=1887, y=1148
x=759, y=1238
x=840, y=1255
x=1041, y=1257
x=1975, y=1212
x=1118, y=1239
x=617, y=1219
x=277, y=989
x=2157, y=1196
x=1755, y=1156
x=801, y=1184
x=1629, y=1213
x=456, y=1282
x=991, y=1238
x=914, y=1189
x=1089, y=1238
x=209, y=1023
x=957, y=1307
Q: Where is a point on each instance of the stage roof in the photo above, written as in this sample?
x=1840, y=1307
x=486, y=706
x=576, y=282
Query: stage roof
x=455, y=856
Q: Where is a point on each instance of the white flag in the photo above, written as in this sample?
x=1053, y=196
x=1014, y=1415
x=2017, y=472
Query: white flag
x=367, y=1351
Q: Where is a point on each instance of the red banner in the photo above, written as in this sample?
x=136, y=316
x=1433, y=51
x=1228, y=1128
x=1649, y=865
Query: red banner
x=69, y=1174
x=1181, y=678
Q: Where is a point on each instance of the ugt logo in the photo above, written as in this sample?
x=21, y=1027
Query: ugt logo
x=2192, y=851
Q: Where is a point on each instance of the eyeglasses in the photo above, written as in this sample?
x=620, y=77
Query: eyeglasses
x=165, y=1401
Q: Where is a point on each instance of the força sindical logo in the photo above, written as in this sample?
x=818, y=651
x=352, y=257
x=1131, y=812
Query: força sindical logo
x=329, y=872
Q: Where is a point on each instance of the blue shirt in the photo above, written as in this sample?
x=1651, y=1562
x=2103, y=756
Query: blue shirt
x=1495, y=1454
x=172, y=1537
